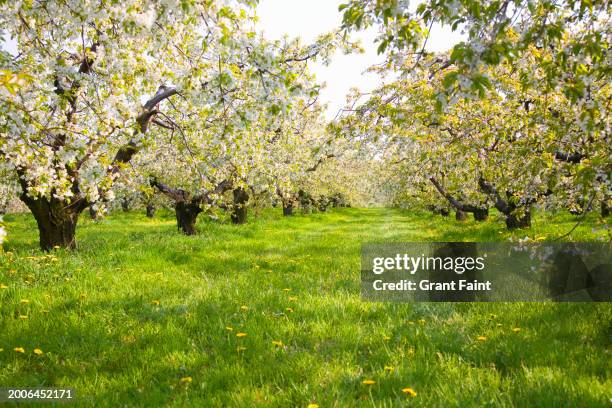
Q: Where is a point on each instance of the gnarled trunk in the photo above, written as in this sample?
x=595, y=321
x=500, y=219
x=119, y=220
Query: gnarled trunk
x=287, y=208
x=56, y=219
x=605, y=209
x=186, y=217
x=481, y=214
x=514, y=221
x=461, y=215
x=240, y=210
x=150, y=211
x=125, y=205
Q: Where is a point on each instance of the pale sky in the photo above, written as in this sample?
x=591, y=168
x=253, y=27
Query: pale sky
x=309, y=18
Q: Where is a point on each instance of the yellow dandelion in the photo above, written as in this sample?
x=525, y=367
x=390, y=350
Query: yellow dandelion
x=313, y=406
x=239, y=335
x=19, y=350
x=82, y=296
x=244, y=308
x=186, y=380
x=386, y=338
x=287, y=290
x=411, y=351
x=3, y=286
x=481, y=338
x=277, y=343
x=155, y=302
x=56, y=247
x=368, y=382
x=38, y=352
x=493, y=316
x=289, y=309
x=229, y=328
x=499, y=325
x=409, y=391
x=389, y=368
x=422, y=321
x=292, y=298
x=516, y=329
x=23, y=317
x=24, y=301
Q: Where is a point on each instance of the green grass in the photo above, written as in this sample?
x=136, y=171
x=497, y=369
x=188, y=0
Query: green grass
x=139, y=307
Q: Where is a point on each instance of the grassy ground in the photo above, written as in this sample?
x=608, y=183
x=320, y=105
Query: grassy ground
x=141, y=316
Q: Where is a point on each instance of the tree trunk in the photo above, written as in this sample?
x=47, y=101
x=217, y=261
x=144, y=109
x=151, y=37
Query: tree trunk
x=288, y=208
x=513, y=221
x=125, y=205
x=150, y=211
x=56, y=219
x=481, y=214
x=186, y=216
x=461, y=215
x=240, y=210
x=605, y=209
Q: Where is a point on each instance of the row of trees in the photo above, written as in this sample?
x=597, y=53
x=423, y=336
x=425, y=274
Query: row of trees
x=516, y=115
x=186, y=98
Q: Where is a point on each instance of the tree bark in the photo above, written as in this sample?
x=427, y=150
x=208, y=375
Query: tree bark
x=240, y=210
x=56, y=219
x=125, y=205
x=288, y=208
x=481, y=214
x=150, y=211
x=513, y=221
x=93, y=214
x=605, y=209
x=461, y=215
x=186, y=217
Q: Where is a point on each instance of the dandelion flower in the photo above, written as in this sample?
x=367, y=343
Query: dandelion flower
x=481, y=338
x=244, y=308
x=19, y=350
x=389, y=368
x=499, y=325
x=516, y=329
x=292, y=298
x=287, y=290
x=368, y=382
x=386, y=338
x=229, y=328
x=241, y=335
x=23, y=317
x=155, y=302
x=289, y=309
x=409, y=391
x=3, y=286
x=313, y=406
x=186, y=380
x=277, y=343
x=38, y=352
x=24, y=301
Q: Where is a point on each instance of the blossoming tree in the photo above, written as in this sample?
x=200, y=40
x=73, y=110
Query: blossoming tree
x=101, y=76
